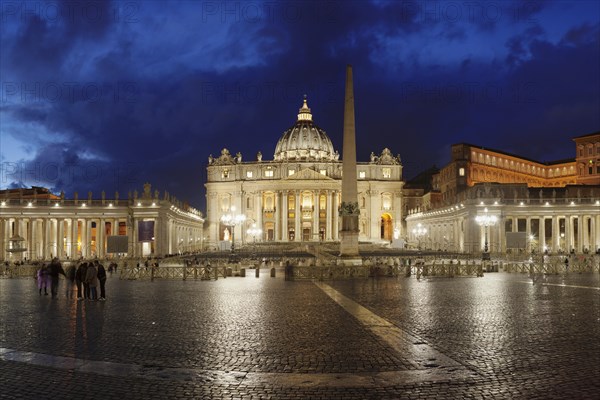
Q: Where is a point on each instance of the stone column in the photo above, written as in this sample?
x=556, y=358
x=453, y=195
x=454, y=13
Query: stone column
x=349, y=209
x=135, y=249
x=336, y=215
x=555, y=233
x=580, y=232
x=596, y=233
x=277, y=219
x=316, y=212
x=29, y=240
x=85, y=238
x=328, y=216
x=60, y=238
x=297, y=214
x=115, y=227
x=285, y=214
x=586, y=234
x=568, y=233
x=74, y=238
x=100, y=233
x=67, y=235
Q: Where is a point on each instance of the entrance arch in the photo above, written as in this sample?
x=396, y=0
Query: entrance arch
x=387, y=230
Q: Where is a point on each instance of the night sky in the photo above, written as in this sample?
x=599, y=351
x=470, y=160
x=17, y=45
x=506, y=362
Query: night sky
x=106, y=96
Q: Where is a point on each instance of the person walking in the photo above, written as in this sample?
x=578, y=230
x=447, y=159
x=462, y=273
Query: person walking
x=91, y=277
x=71, y=272
x=42, y=274
x=54, y=269
x=101, y=280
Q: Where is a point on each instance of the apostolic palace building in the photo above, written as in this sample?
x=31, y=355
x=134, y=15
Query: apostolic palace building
x=513, y=202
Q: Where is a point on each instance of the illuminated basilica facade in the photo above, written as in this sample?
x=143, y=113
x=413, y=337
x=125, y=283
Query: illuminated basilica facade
x=555, y=206
x=295, y=197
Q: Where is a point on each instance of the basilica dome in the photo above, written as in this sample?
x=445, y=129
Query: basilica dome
x=305, y=141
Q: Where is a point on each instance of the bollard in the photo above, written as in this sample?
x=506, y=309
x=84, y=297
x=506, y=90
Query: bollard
x=184, y=272
x=273, y=272
x=407, y=271
x=257, y=272
x=228, y=271
x=243, y=272
x=152, y=274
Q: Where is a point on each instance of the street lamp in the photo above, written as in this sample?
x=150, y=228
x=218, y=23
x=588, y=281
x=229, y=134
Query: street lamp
x=419, y=231
x=254, y=232
x=232, y=220
x=486, y=221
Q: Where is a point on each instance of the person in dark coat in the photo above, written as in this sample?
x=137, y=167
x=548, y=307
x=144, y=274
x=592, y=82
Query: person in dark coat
x=54, y=269
x=91, y=277
x=82, y=273
x=71, y=272
x=101, y=279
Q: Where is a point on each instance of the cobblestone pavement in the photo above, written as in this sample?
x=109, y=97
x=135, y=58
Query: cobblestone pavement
x=501, y=336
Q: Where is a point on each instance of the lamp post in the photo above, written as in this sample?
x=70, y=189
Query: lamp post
x=486, y=221
x=232, y=220
x=254, y=232
x=419, y=231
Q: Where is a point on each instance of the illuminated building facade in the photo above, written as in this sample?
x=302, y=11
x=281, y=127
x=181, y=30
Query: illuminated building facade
x=44, y=225
x=295, y=197
x=556, y=205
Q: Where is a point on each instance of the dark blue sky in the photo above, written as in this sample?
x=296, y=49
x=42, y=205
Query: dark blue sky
x=106, y=96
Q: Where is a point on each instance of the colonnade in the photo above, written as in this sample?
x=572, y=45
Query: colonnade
x=559, y=232
x=45, y=238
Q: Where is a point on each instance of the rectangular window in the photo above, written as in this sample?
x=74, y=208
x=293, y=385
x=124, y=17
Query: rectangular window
x=362, y=174
x=323, y=172
x=225, y=173
x=291, y=172
x=269, y=173
x=249, y=174
x=461, y=171
x=589, y=151
x=387, y=172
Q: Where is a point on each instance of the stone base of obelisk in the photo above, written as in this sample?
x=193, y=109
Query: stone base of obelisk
x=349, y=249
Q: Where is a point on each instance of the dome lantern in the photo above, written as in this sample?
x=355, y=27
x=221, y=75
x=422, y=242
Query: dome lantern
x=305, y=141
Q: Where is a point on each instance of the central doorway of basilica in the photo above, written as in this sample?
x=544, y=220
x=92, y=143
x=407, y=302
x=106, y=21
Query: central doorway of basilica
x=387, y=230
x=306, y=231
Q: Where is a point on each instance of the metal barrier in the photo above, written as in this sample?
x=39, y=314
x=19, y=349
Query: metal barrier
x=554, y=265
x=18, y=271
x=329, y=272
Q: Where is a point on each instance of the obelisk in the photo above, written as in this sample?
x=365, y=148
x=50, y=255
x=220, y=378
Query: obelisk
x=349, y=210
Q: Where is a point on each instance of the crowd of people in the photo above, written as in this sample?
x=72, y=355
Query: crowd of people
x=83, y=279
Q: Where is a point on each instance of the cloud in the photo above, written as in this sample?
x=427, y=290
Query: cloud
x=146, y=95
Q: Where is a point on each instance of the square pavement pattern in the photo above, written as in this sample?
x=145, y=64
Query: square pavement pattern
x=503, y=336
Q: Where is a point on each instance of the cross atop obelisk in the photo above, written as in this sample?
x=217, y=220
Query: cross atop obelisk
x=349, y=210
